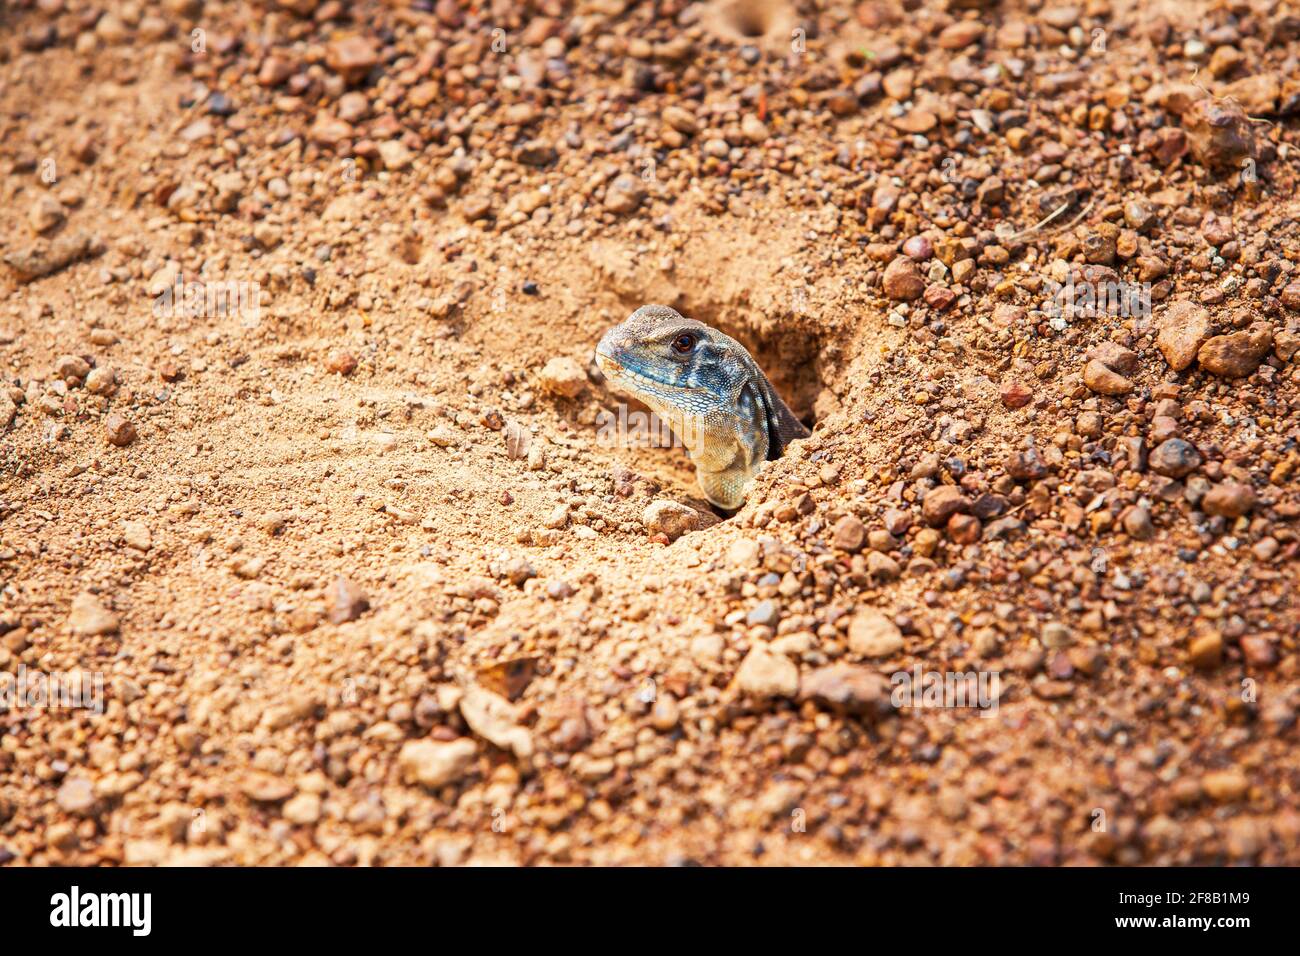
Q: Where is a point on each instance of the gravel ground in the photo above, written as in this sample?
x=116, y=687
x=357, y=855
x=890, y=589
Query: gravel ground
x=305, y=466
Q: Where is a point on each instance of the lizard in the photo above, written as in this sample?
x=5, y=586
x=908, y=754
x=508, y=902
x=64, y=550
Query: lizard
x=709, y=391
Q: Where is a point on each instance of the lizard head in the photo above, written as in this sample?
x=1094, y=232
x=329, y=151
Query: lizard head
x=708, y=389
x=664, y=358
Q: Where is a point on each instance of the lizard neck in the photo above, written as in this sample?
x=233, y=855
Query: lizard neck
x=782, y=426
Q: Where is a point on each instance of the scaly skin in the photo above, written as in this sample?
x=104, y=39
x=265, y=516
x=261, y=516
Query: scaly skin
x=710, y=392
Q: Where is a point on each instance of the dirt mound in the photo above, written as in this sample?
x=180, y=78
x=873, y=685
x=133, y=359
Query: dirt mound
x=306, y=557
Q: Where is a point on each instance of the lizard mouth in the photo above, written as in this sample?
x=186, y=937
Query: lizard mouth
x=615, y=363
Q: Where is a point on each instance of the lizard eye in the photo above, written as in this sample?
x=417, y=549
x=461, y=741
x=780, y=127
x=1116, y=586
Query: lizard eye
x=683, y=344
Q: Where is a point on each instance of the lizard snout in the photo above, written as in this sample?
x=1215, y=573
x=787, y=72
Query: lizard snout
x=611, y=342
x=612, y=350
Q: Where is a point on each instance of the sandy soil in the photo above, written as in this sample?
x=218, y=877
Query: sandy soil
x=365, y=580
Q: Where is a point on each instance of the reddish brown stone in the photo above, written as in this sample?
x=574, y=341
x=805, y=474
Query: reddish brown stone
x=903, y=280
x=1015, y=394
x=352, y=57
x=120, y=431
x=942, y=503
x=1219, y=134
x=1229, y=499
